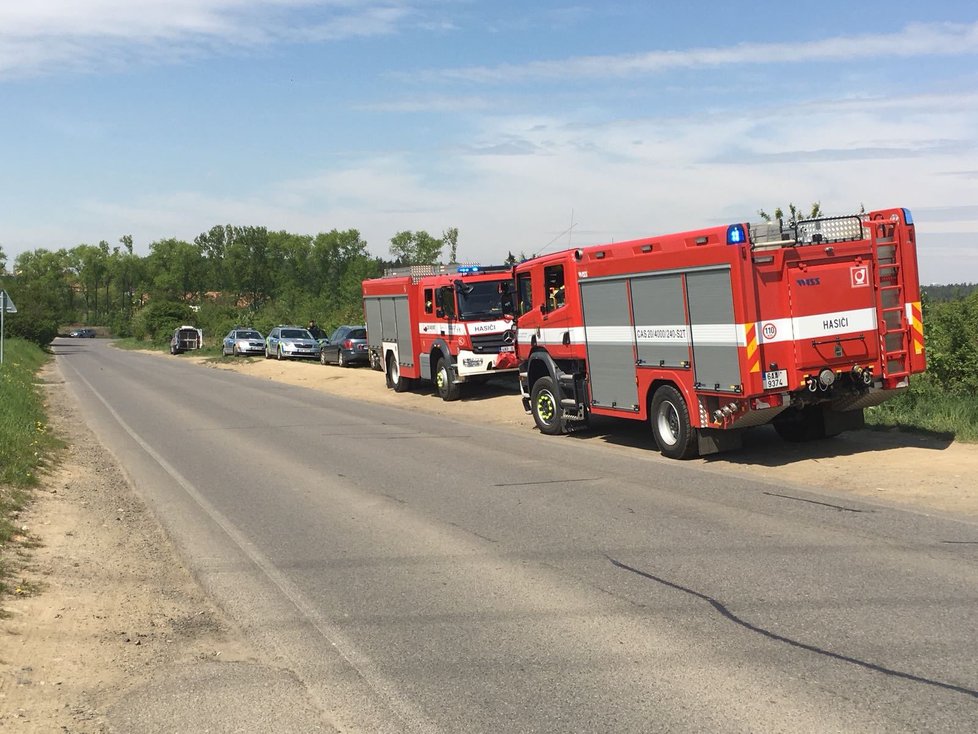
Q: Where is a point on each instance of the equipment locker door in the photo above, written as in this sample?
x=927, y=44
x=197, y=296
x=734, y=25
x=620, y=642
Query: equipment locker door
x=375, y=331
x=610, y=341
x=405, y=336
x=660, y=321
x=833, y=314
x=716, y=341
x=396, y=327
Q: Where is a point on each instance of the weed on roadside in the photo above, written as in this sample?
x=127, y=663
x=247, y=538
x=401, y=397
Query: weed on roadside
x=27, y=448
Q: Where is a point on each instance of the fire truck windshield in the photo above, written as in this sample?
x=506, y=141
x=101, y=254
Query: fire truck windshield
x=483, y=300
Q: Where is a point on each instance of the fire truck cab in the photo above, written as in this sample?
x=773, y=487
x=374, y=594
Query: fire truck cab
x=708, y=332
x=449, y=327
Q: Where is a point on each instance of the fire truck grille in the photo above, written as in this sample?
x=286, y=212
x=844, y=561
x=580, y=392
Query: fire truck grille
x=491, y=343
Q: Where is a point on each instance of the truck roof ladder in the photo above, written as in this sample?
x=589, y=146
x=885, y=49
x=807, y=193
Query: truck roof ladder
x=894, y=328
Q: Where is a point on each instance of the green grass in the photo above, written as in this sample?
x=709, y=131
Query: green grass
x=132, y=343
x=927, y=407
x=26, y=445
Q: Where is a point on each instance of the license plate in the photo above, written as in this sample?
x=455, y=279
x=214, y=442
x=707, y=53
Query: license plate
x=775, y=379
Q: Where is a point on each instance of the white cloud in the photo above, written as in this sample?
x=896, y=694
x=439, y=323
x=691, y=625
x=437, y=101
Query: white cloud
x=914, y=40
x=44, y=35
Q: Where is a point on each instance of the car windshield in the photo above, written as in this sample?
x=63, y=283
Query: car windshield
x=248, y=335
x=357, y=334
x=481, y=300
x=296, y=334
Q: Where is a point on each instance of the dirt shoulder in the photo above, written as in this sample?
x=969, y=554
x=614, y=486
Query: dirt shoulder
x=116, y=611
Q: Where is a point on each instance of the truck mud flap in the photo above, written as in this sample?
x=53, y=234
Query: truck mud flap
x=713, y=441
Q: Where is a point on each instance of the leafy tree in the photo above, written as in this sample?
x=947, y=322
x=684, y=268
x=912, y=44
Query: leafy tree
x=416, y=248
x=289, y=265
x=174, y=270
x=39, y=299
x=50, y=278
x=157, y=320
x=213, y=246
x=450, y=238
x=951, y=330
x=3, y=262
x=91, y=266
x=949, y=292
x=126, y=270
x=251, y=262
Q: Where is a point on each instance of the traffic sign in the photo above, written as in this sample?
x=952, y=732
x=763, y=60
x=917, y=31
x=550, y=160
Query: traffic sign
x=6, y=304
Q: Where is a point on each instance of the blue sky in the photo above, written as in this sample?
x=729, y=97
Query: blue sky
x=513, y=121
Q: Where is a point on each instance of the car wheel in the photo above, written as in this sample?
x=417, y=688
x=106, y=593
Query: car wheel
x=278, y=354
x=322, y=357
x=448, y=389
x=341, y=360
x=671, y=425
x=545, y=406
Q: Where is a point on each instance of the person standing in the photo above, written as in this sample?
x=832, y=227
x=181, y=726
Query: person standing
x=316, y=332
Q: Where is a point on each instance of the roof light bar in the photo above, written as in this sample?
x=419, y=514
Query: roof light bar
x=829, y=229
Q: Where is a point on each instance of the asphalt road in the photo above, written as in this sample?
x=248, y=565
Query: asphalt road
x=406, y=573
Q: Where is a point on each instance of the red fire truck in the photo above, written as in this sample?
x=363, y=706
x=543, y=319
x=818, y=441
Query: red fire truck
x=707, y=332
x=449, y=327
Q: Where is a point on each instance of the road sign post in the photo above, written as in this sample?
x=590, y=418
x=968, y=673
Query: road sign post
x=6, y=306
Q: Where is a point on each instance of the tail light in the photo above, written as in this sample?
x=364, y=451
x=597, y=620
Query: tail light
x=348, y=344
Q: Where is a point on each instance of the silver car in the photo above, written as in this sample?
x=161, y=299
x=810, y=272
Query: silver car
x=291, y=342
x=243, y=341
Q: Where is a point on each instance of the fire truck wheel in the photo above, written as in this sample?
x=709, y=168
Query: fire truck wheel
x=670, y=424
x=546, y=408
x=394, y=378
x=447, y=387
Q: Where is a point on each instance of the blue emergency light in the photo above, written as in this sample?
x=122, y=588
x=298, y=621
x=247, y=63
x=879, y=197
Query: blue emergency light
x=735, y=234
x=468, y=269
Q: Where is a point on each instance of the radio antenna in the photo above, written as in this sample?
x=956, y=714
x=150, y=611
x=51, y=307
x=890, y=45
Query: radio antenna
x=559, y=235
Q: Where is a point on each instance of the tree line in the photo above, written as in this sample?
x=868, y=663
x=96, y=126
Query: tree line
x=228, y=275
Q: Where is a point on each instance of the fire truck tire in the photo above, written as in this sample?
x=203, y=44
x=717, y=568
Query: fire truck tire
x=448, y=389
x=545, y=405
x=671, y=425
x=798, y=426
x=394, y=378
